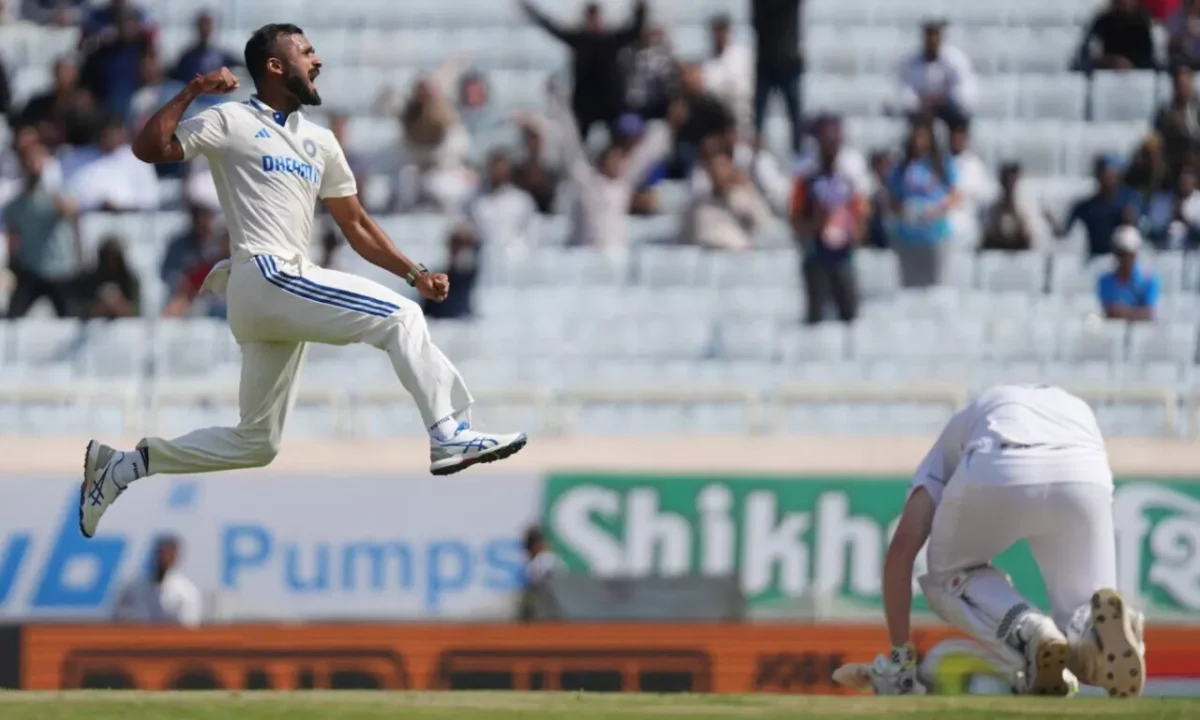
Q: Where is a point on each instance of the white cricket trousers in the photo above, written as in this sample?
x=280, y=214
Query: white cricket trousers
x=275, y=307
x=1061, y=506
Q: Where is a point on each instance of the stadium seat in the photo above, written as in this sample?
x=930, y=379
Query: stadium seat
x=1123, y=96
x=1052, y=97
x=1022, y=272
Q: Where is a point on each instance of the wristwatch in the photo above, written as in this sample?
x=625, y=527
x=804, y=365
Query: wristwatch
x=417, y=271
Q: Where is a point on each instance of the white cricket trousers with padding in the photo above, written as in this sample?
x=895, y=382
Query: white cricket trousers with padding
x=275, y=307
x=1061, y=505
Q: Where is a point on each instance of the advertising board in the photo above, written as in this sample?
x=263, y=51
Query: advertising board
x=278, y=547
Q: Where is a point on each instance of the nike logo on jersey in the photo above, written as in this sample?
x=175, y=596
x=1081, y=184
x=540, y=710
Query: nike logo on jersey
x=262, y=134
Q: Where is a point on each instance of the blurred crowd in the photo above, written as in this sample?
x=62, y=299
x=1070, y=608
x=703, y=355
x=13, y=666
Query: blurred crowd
x=639, y=131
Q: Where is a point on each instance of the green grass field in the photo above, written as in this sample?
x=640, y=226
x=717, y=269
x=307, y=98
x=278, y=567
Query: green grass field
x=555, y=706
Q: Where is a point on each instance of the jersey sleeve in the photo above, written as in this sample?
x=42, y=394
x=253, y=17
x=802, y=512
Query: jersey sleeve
x=942, y=460
x=203, y=133
x=338, y=179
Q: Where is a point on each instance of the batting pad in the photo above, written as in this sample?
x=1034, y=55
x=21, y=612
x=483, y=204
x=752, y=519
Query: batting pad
x=981, y=602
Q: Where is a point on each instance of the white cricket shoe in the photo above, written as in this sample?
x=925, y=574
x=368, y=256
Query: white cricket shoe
x=106, y=474
x=1046, y=655
x=469, y=447
x=1118, y=631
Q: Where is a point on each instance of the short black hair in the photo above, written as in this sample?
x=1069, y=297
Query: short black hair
x=261, y=46
x=533, y=537
x=721, y=21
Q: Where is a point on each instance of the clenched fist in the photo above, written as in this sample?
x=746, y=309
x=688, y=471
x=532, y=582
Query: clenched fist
x=433, y=286
x=217, y=82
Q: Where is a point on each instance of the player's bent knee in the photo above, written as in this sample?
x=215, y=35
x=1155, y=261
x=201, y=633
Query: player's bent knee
x=260, y=447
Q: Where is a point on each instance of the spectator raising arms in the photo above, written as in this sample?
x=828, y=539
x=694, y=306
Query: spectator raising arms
x=602, y=193
x=599, y=90
x=110, y=290
x=938, y=81
x=1119, y=38
x=922, y=189
x=726, y=217
x=1130, y=292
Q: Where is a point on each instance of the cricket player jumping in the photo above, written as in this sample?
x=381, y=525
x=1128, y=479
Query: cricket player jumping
x=271, y=164
x=1018, y=463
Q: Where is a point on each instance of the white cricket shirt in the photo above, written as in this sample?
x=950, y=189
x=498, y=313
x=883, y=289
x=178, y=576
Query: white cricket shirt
x=1025, y=423
x=269, y=170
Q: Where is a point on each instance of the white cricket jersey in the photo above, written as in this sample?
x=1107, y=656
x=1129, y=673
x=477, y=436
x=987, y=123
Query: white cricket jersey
x=1024, y=424
x=269, y=170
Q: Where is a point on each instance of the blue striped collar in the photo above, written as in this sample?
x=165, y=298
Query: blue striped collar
x=278, y=116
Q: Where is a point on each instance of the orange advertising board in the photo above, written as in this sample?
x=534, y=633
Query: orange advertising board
x=659, y=658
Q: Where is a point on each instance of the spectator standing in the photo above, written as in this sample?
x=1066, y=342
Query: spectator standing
x=778, y=63
x=116, y=181
x=938, y=81
x=110, y=290
x=729, y=73
x=1183, y=32
x=1119, y=38
x=599, y=87
x=112, y=71
x=503, y=217
x=726, y=217
x=533, y=174
x=462, y=269
x=185, y=250
x=1178, y=120
x=12, y=177
x=976, y=187
x=1129, y=292
x=602, y=193
x=828, y=130
x=164, y=595
x=829, y=217
x=1173, y=217
x=922, y=189
x=1113, y=204
x=1009, y=222
x=202, y=56
x=43, y=246
x=542, y=562
x=650, y=74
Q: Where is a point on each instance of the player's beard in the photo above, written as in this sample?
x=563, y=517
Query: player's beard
x=305, y=91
